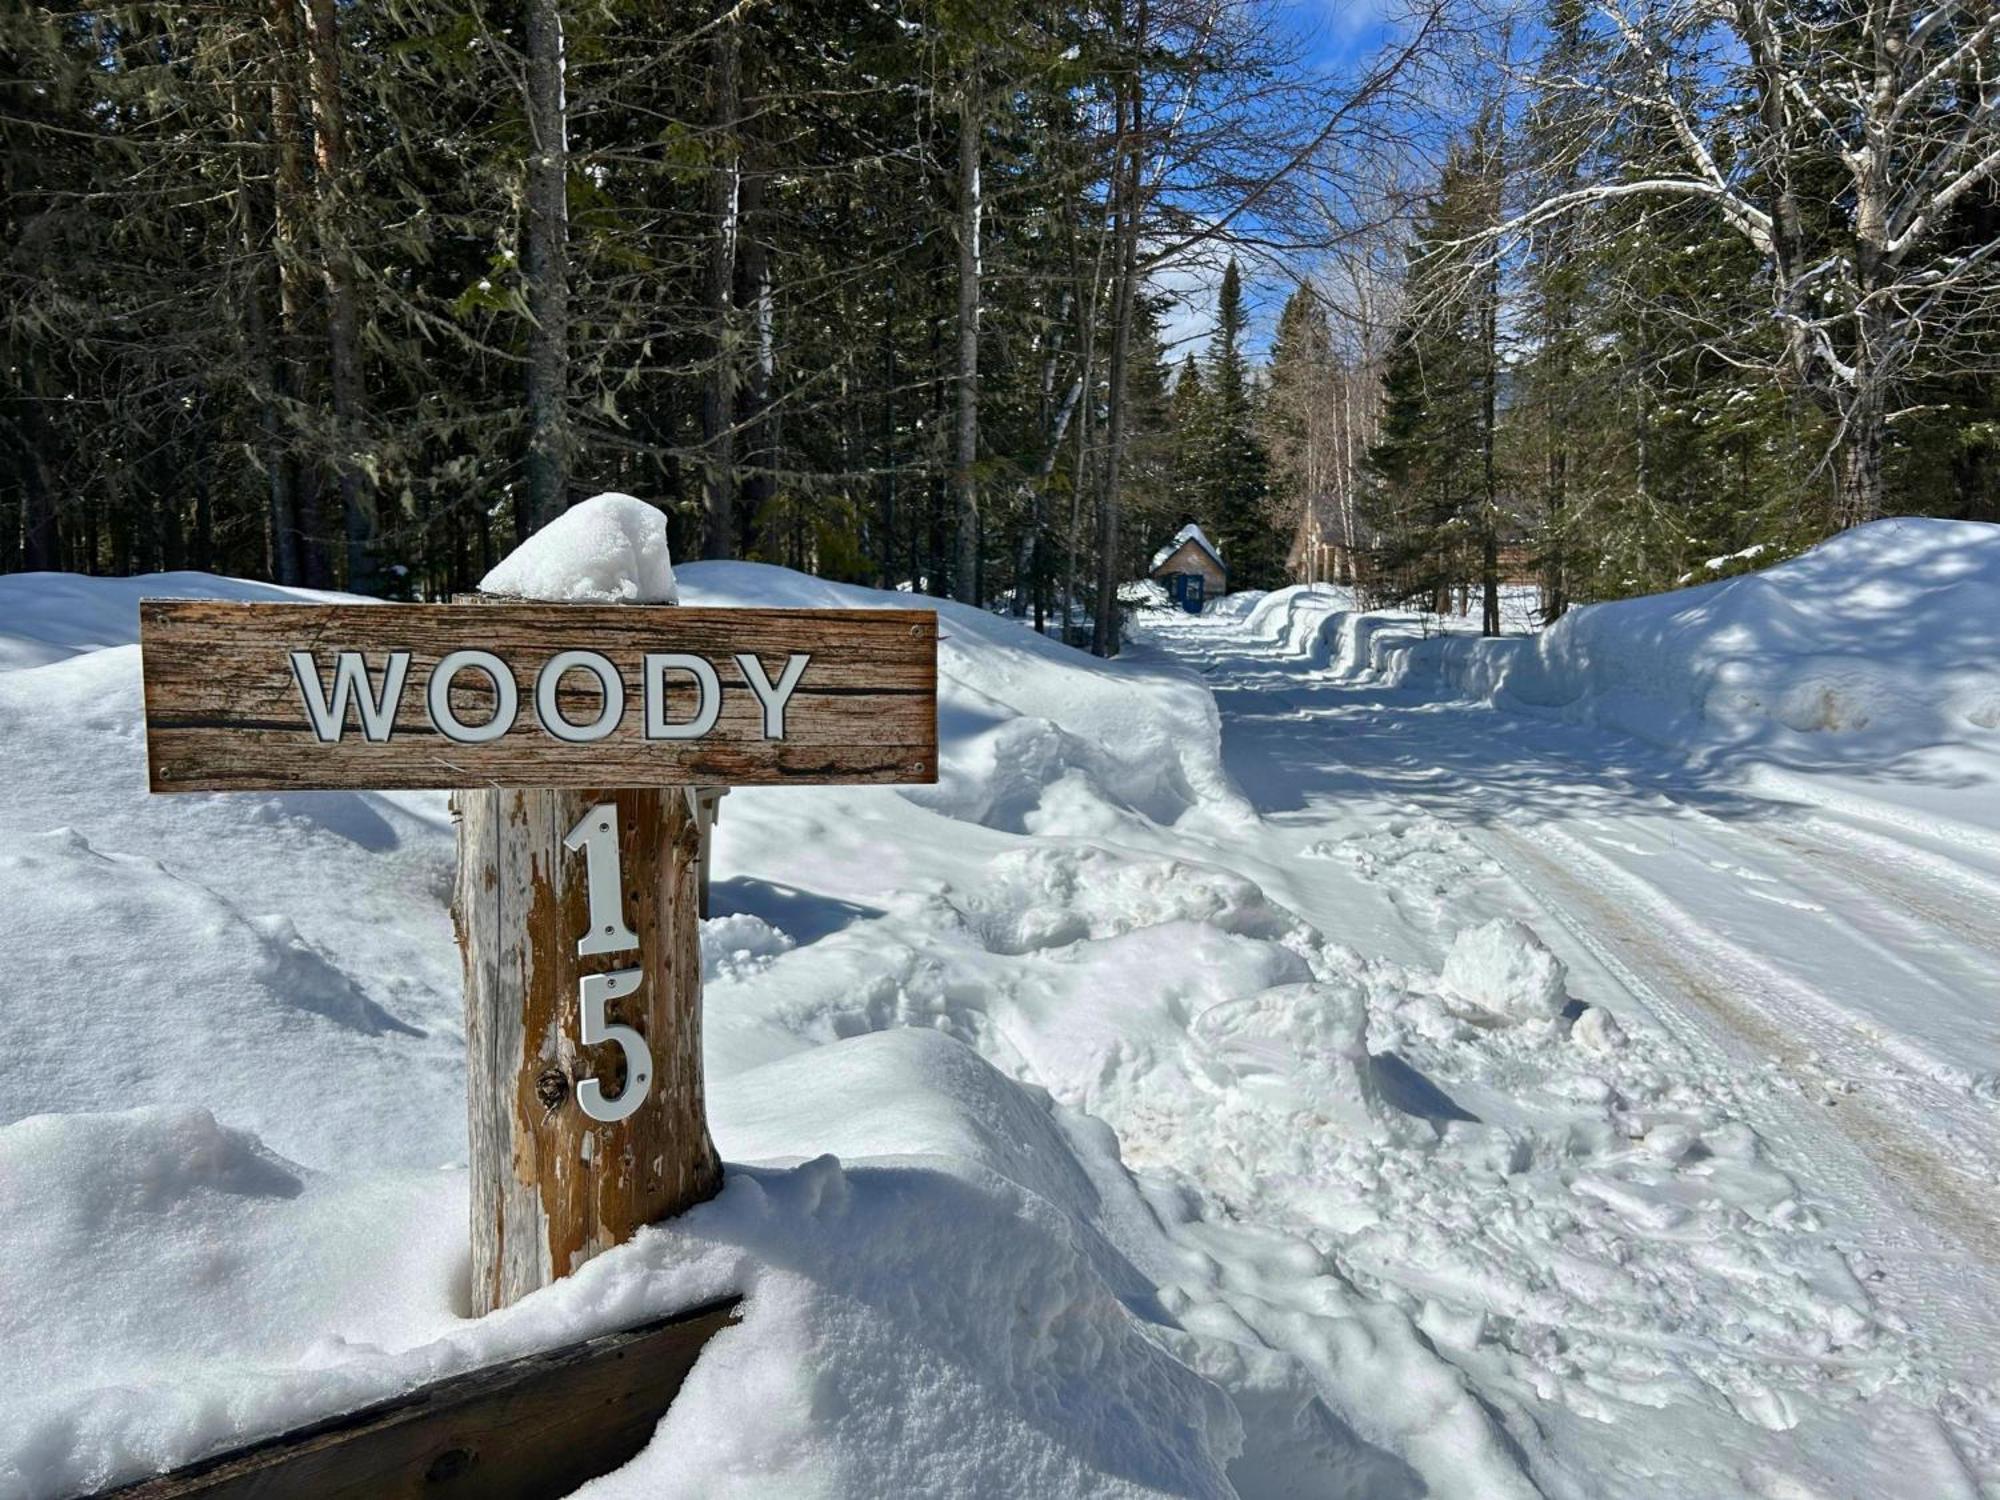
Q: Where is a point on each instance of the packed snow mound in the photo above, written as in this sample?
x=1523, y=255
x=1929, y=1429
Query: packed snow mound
x=1888, y=634
x=930, y=1313
x=172, y=1284
x=609, y=549
x=1042, y=898
x=258, y=1166
x=1505, y=970
x=1034, y=736
x=279, y=1025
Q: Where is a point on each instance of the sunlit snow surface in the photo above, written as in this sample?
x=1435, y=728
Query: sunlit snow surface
x=1107, y=1119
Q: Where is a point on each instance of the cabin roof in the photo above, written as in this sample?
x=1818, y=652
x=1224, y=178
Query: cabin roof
x=1189, y=533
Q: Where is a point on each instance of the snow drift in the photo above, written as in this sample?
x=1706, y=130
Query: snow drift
x=1034, y=736
x=1881, y=640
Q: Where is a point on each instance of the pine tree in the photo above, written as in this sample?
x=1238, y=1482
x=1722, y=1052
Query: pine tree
x=1437, y=498
x=1233, y=483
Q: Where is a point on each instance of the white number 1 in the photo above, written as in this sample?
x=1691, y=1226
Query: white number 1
x=597, y=836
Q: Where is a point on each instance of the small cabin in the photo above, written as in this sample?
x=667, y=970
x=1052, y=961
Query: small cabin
x=1191, y=568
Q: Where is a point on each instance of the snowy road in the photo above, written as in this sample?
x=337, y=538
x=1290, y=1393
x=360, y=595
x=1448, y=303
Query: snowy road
x=1827, y=975
x=1180, y=1098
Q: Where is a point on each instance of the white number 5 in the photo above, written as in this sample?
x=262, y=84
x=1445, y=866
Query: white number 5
x=597, y=836
x=598, y=988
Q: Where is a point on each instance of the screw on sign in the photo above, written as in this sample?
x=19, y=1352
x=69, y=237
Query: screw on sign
x=576, y=737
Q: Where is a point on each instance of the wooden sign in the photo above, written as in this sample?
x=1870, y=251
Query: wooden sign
x=586, y=745
x=577, y=920
x=288, y=697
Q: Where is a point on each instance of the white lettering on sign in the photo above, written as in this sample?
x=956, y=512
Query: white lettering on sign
x=597, y=837
x=437, y=698
x=609, y=683
x=376, y=708
x=707, y=695
x=773, y=698
x=596, y=833
x=350, y=680
x=597, y=1031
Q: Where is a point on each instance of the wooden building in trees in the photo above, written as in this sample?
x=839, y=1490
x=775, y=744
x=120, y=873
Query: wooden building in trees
x=1191, y=568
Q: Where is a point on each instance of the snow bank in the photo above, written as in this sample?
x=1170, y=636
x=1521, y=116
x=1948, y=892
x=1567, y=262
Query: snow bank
x=47, y=617
x=1034, y=736
x=933, y=1314
x=609, y=549
x=232, y=1102
x=1883, y=638
x=1880, y=641
x=116, y=948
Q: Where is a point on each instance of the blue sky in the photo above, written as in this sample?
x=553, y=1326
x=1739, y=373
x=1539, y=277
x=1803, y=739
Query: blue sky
x=1333, y=36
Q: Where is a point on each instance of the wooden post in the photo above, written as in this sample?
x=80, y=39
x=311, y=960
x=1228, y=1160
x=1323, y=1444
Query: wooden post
x=551, y=1187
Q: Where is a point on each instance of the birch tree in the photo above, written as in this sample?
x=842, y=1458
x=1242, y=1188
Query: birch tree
x=1842, y=145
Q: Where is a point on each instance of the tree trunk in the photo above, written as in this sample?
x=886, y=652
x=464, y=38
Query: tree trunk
x=552, y=1187
x=1489, y=529
x=887, y=455
x=266, y=377
x=293, y=219
x=41, y=540
x=965, y=582
x=1029, y=561
x=545, y=265
x=1104, y=628
x=1860, y=497
x=1080, y=477
x=343, y=338
x=201, y=548
x=760, y=480
x=719, y=400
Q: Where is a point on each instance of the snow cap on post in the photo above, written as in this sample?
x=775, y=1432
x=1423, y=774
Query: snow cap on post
x=609, y=549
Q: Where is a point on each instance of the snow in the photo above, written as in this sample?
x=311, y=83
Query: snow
x=1872, y=645
x=1175, y=1099
x=609, y=549
x=1505, y=970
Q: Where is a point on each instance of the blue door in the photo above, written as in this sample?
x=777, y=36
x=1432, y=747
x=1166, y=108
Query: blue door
x=1192, y=591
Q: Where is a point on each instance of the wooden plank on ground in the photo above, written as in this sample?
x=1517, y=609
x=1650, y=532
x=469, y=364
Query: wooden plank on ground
x=530, y=1429
x=228, y=708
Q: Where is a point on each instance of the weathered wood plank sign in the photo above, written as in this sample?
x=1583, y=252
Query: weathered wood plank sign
x=582, y=741
x=286, y=697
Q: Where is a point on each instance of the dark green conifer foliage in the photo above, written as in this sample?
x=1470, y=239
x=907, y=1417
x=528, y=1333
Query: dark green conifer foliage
x=1232, y=471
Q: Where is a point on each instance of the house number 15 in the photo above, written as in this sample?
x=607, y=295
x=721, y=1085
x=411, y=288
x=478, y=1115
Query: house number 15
x=597, y=836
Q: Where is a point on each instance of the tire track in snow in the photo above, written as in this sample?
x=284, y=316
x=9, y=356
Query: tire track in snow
x=1878, y=1172
x=1927, y=888
x=1896, y=914
x=1788, y=1013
